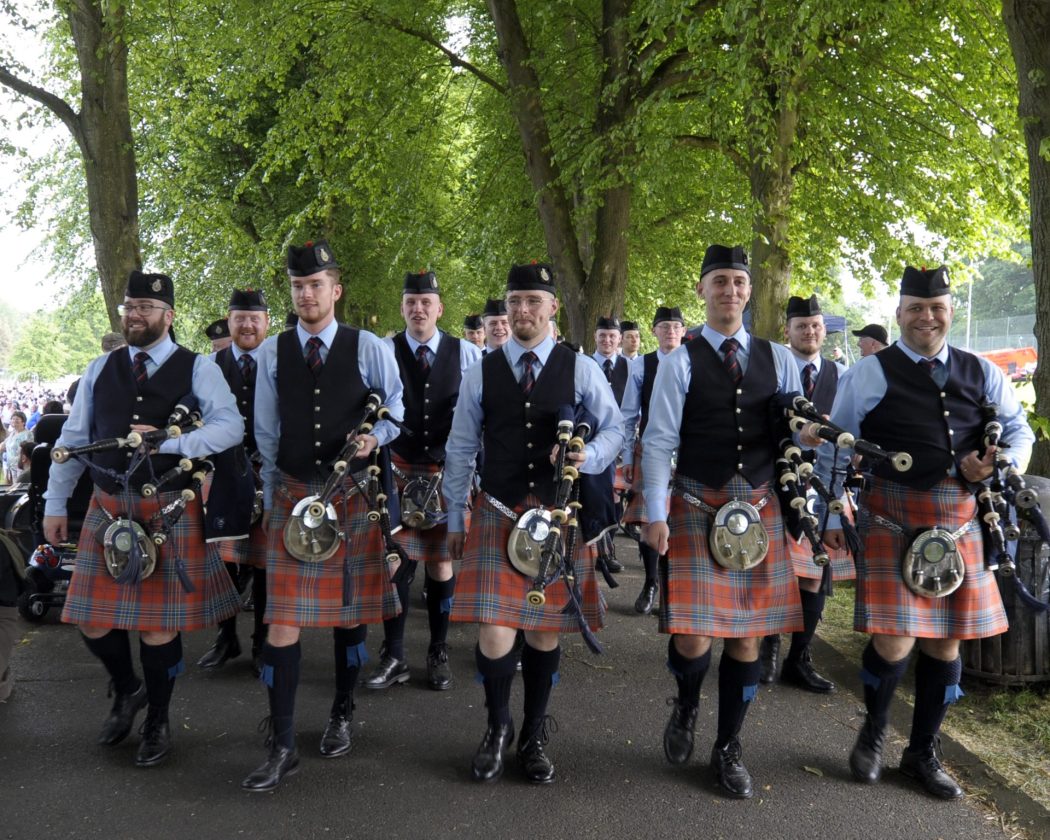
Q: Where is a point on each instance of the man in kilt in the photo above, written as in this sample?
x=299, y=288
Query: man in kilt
x=497, y=326
x=248, y=322
x=312, y=387
x=925, y=397
x=668, y=327
x=431, y=364
x=615, y=369
x=805, y=332
x=135, y=389
x=474, y=330
x=510, y=404
x=712, y=401
x=630, y=339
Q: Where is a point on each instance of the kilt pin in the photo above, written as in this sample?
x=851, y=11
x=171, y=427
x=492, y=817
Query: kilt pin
x=885, y=605
x=700, y=597
x=313, y=594
x=489, y=590
x=159, y=603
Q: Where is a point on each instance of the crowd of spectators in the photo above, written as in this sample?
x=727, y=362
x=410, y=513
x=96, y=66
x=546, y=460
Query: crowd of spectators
x=21, y=407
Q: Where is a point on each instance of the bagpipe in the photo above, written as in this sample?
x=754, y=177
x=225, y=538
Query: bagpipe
x=421, y=502
x=313, y=534
x=542, y=545
x=795, y=477
x=130, y=548
x=1002, y=504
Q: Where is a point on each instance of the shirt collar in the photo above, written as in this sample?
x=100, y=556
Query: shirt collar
x=158, y=353
x=327, y=335
x=432, y=345
x=715, y=338
x=942, y=356
x=514, y=350
x=801, y=363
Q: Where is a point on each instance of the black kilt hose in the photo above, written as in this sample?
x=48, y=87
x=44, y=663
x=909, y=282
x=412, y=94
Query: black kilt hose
x=159, y=603
x=312, y=594
x=489, y=590
x=701, y=598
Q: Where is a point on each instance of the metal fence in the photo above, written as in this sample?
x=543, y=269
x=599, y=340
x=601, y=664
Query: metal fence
x=992, y=333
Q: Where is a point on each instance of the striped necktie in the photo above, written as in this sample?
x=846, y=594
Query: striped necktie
x=313, y=355
x=422, y=358
x=247, y=365
x=729, y=348
x=528, y=379
x=139, y=368
x=809, y=380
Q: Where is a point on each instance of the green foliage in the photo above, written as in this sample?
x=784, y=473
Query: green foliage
x=54, y=344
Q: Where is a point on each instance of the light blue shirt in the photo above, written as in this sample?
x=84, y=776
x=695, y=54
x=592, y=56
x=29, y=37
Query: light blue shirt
x=238, y=352
x=591, y=391
x=673, y=376
x=468, y=353
x=860, y=392
x=632, y=403
x=379, y=372
x=223, y=426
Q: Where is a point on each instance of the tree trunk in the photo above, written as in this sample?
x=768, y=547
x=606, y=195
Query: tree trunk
x=107, y=145
x=772, y=185
x=1028, y=27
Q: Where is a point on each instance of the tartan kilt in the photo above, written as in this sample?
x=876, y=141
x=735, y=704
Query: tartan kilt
x=249, y=552
x=636, y=513
x=620, y=484
x=430, y=544
x=489, y=590
x=311, y=594
x=885, y=605
x=159, y=603
x=700, y=597
x=802, y=556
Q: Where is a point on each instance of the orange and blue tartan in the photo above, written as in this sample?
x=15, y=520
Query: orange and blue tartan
x=802, y=556
x=701, y=598
x=311, y=594
x=885, y=605
x=489, y=590
x=159, y=603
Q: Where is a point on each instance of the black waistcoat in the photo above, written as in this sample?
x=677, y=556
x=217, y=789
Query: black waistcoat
x=649, y=364
x=119, y=403
x=826, y=385
x=728, y=429
x=620, y=370
x=243, y=392
x=429, y=402
x=316, y=415
x=519, y=430
x=932, y=424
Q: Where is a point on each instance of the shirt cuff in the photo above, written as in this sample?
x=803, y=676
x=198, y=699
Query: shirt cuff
x=456, y=521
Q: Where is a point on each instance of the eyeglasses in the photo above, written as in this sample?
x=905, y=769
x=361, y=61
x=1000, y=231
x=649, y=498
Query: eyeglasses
x=145, y=309
x=525, y=303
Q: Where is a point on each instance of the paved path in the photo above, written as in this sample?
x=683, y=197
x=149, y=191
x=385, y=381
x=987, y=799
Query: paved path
x=408, y=774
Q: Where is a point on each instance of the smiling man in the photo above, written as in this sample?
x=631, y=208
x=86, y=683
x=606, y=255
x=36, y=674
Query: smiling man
x=431, y=364
x=511, y=404
x=922, y=396
x=136, y=388
x=497, y=327
x=247, y=321
x=712, y=401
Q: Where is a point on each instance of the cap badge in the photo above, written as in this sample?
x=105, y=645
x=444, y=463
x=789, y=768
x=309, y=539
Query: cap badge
x=156, y=285
x=544, y=275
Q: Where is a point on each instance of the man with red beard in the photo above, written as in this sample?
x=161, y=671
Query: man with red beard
x=248, y=322
x=137, y=389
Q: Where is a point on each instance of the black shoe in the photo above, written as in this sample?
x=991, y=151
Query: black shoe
x=121, y=718
x=646, y=599
x=439, y=673
x=800, y=673
x=487, y=765
x=925, y=767
x=865, y=761
x=613, y=565
x=388, y=672
x=535, y=763
x=282, y=761
x=156, y=739
x=730, y=772
x=227, y=646
x=768, y=657
x=678, y=734
x=335, y=741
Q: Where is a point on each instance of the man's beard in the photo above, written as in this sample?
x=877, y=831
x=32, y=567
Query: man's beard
x=150, y=334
